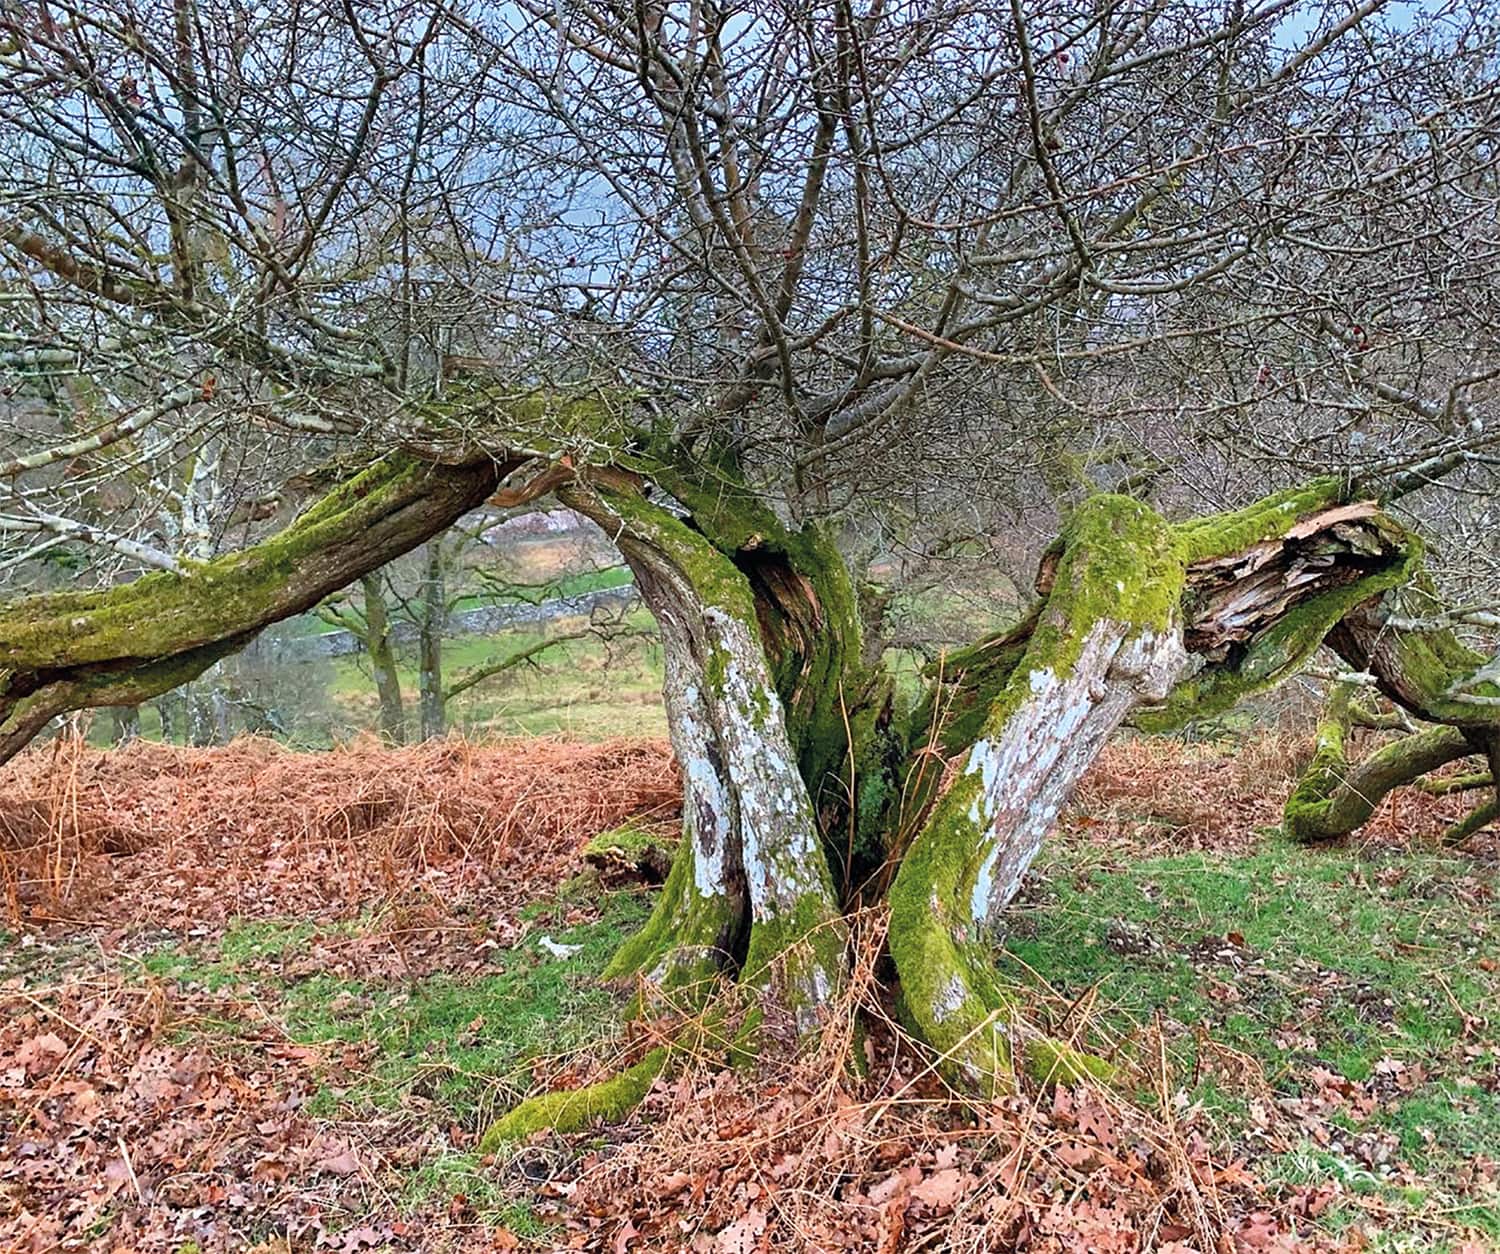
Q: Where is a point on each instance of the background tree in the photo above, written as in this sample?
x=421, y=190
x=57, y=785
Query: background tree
x=369, y=623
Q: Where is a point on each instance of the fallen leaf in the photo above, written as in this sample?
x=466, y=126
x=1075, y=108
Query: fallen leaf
x=939, y=1190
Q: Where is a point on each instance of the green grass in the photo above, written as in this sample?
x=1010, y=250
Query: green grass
x=1339, y=961
x=453, y=1173
x=457, y=1046
x=583, y=688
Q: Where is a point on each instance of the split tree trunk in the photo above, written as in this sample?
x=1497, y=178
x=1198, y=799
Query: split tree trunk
x=794, y=764
x=1135, y=613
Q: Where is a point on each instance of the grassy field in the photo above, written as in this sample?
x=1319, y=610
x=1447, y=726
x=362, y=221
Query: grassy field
x=1336, y=1012
x=588, y=689
x=1331, y=1017
x=452, y=1049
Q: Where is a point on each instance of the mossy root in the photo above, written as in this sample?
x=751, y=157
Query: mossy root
x=1050, y=1061
x=572, y=1109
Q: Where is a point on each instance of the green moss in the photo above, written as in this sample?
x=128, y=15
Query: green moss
x=165, y=613
x=1220, y=535
x=1334, y=798
x=109, y=687
x=686, y=940
x=1309, y=801
x=949, y=991
x=630, y=841
x=713, y=576
x=1476, y=820
x=716, y=670
x=1121, y=562
x=1050, y=1061
x=570, y=1110
x=971, y=679
x=1437, y=664
x=808, y=938
x=807, y=609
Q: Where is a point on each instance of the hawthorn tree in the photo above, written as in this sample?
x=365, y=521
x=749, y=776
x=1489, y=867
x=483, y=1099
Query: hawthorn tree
x=741, y=287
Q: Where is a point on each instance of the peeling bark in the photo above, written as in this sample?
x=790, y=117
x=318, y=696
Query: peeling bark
x=750, y=816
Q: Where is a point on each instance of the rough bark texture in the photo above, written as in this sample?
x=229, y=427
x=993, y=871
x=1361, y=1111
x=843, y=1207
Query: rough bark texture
x=749, y=818
x=837, y=701
x=1425, y=672
x=1181, y=621
x=1106, y=640
x=697, y=928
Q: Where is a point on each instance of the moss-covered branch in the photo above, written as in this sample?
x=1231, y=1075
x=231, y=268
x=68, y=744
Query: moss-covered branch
x=1335, y=797
x=1429, y=672
x=1477, y=820
x=122, y=645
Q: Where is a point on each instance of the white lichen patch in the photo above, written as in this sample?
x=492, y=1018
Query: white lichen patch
x=783, y=860
x=949, y=998
x=747, y=808
x=1028, y=771
x=707, y=808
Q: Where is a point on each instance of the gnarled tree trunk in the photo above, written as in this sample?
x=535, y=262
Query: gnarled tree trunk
x=802, y=786
x=751, y=848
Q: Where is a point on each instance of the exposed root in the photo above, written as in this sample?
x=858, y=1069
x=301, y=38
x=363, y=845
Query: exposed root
x=764, y=1014
x=1050, y=1061
x=1475, y=822
x=572, y=1109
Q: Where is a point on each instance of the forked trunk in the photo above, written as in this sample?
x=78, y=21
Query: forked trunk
x=751, y=845
x=785, y=731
